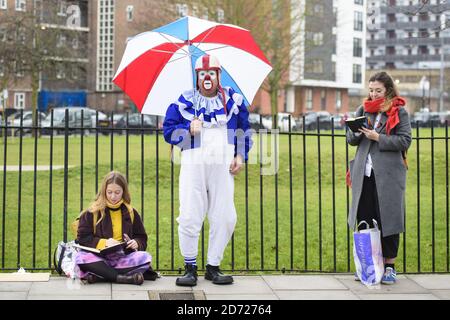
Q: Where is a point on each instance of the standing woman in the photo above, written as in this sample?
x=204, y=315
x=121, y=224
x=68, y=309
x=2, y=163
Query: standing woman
x=110, y=220
x=378, y=171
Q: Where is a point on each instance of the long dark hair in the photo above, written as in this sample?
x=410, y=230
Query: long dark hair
x=391, y=89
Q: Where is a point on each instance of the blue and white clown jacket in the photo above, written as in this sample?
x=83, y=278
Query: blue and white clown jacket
x=211, y=111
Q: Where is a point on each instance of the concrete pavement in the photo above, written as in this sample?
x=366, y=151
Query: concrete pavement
x=252, y=287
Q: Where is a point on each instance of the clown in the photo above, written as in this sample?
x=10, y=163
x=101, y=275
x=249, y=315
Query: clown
x=210, y=125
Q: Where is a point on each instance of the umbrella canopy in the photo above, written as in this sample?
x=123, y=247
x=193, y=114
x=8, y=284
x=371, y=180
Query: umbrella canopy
x=157, y=66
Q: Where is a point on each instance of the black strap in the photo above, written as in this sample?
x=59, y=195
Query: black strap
x=61, y=256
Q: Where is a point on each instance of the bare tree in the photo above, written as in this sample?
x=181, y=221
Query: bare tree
x=36, y=43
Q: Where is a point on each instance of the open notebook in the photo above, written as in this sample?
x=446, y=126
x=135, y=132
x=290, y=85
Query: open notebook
x=105, y=251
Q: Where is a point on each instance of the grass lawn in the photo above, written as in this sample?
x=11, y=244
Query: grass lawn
x=302, y=227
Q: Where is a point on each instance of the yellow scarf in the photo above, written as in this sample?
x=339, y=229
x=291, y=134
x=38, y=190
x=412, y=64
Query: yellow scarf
x=114, y=206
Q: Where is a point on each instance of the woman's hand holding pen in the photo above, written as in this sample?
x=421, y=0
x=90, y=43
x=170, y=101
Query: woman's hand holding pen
x=131, y=244
x=370, y=134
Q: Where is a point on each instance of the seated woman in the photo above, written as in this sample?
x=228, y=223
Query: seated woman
x=115, y=221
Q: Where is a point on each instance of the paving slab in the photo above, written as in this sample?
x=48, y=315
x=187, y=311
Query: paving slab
x=403, y=285
x=68, y=287
x=441, y=294
x=15, y=295
x=398, y=296
x=71, y=297
x=163, y=283
x=316, y=295
x=130, y=295
x=242, y=297
x=304, y=282
x=432, y=282
x=14, y=286
x=242, y=285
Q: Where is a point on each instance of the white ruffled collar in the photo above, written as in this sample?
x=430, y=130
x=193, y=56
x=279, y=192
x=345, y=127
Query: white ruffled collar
x=208, y=109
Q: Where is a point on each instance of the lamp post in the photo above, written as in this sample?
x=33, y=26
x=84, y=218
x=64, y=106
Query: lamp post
x=443, y=21
x=424, y=85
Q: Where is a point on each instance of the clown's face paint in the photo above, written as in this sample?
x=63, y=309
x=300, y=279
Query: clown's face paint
x=208, y=82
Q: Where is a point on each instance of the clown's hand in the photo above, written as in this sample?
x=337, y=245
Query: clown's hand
x=196, y=127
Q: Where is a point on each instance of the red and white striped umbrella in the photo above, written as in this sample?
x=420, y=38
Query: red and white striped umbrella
x=157, y=66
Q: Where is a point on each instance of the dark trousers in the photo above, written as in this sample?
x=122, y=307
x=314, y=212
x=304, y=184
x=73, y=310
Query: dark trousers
x=369, y=209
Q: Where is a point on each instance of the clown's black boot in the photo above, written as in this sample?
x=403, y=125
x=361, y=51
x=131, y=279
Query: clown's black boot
x=214, y=274
x=189, y=279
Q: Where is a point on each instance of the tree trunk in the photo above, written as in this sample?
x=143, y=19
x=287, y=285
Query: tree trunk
x=274, y=107
x=34, y=98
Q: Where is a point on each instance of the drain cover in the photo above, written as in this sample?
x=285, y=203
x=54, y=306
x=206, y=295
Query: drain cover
x=177, y=295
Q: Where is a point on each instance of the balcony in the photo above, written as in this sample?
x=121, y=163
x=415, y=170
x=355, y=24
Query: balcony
x=408, y=41
x=407, y=58
x=430, y=25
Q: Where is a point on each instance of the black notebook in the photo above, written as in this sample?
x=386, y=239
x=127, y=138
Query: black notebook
x=103, y=252
x=355, y=124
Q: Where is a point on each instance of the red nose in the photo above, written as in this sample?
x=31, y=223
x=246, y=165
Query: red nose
x=208, y=77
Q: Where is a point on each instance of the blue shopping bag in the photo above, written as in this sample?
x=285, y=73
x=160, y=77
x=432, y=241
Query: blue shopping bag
x=367, y=254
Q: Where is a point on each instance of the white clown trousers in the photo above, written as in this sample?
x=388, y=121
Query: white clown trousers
x=206, y=188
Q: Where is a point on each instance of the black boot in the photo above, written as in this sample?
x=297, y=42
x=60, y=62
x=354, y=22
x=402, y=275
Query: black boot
x=135, y=278
x=189, y=279
x=214, y=274
x=92, y=278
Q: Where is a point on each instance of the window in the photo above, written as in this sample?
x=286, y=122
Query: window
x=60, y=72
x=318, y=39
x=357, y=75
x=2, y=35
x=323, y=99
x=75, y=43
x=361, y=2
x=309, y=99
x=357, y=47
x=423, y=50
x=390, y=50
x=391, y=34
x=220, y=16
x=317, y=66
x=391, y=17
x=318, y=10
x=130, y=13
x=21, y=5
x=61, y=41
x=358, y=21
x=3, y=4
x=19, y=100
x=18, y=68
x=182, y=10
x=62, y=8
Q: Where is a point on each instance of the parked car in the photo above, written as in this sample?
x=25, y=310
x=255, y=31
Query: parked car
x=338, y=121
x=104, y=122
x=137, y=122
x=282, y=122
x=421, y=118
x=254, y=120
x=312, y=119
x=27, y=121
x=74, y=121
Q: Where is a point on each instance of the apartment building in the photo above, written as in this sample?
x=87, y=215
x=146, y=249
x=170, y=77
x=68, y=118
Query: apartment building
x=330, y=55
x=411, y=40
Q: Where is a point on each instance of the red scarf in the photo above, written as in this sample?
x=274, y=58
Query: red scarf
x=374, y=106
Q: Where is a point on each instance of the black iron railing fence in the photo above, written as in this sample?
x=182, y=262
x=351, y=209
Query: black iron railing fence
x=292, y=200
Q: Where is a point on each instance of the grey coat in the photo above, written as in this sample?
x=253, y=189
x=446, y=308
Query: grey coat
x=388, y=167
